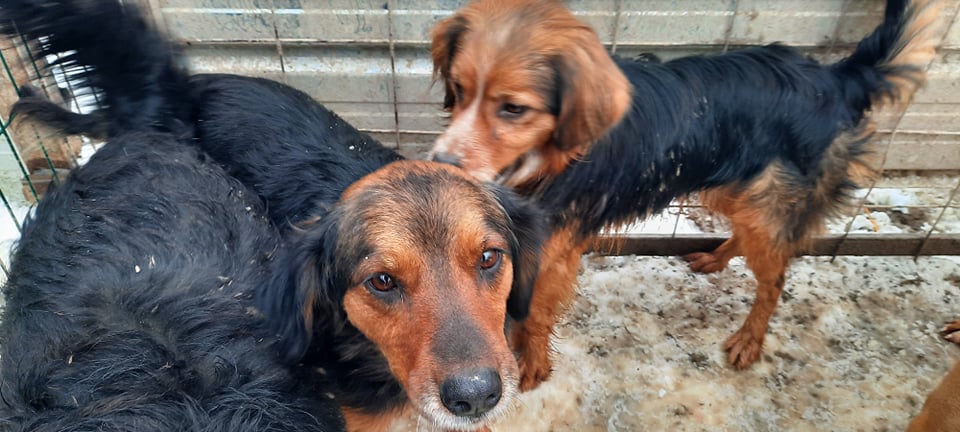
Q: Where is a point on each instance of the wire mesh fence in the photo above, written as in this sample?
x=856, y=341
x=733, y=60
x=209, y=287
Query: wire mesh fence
x=369, y=61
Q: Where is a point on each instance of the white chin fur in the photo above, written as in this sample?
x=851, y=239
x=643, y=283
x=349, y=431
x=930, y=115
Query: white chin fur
x=436, y=415
x=529, y=168
x=485, y=175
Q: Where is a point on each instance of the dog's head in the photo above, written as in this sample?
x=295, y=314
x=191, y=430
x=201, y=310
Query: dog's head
x=426, y=263
x=528, y=87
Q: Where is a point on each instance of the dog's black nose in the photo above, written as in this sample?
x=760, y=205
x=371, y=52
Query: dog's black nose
x=446, y=158
x=472, y=392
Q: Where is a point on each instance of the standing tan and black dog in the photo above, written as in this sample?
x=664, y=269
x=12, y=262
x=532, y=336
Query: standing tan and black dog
x=766, y=136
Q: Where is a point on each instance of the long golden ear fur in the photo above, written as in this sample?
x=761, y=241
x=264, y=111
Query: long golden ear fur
x=445, y=40
x=594, y=94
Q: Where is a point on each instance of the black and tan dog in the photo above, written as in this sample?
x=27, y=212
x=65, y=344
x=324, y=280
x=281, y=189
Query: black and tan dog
x=766, y=136
x=128, y=304
x=396, y=277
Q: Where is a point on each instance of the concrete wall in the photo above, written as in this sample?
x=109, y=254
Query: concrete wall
x=369, y=59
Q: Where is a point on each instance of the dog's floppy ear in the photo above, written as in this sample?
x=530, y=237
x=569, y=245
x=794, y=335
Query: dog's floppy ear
x=529, y=228
x=301, y=286
x=443, y=48
x=592, y=92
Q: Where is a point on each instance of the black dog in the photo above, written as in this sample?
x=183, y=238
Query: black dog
x=405, y=269
x=128, y=305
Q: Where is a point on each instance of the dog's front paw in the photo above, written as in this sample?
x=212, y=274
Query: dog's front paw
x=531, y=344
x=534, y=370
x=743, y=348
x=704, y=262
x=951, y=332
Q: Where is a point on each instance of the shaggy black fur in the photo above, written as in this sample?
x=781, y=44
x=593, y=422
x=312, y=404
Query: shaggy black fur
x=699, y=122
x=128, y=305
x=297, y=155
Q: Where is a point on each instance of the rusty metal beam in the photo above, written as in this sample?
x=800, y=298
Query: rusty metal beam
x=853, y=244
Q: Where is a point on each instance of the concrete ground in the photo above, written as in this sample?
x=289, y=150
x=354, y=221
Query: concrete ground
x=853, y=346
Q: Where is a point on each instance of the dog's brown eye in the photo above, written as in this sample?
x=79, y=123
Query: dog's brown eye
x=381, y=282
x=509, y=110
x=490, y=258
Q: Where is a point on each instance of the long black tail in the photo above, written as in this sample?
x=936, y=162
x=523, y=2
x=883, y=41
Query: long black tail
x=110, y=48
x=890, y=64
x=887, y=67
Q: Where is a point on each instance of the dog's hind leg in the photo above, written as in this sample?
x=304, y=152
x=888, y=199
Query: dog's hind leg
x=554, y=291
x=756, y=212
x=769, y=265
x=716, y=260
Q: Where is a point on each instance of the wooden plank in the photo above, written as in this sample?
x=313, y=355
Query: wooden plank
x=924, y=153
x=854, y=244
